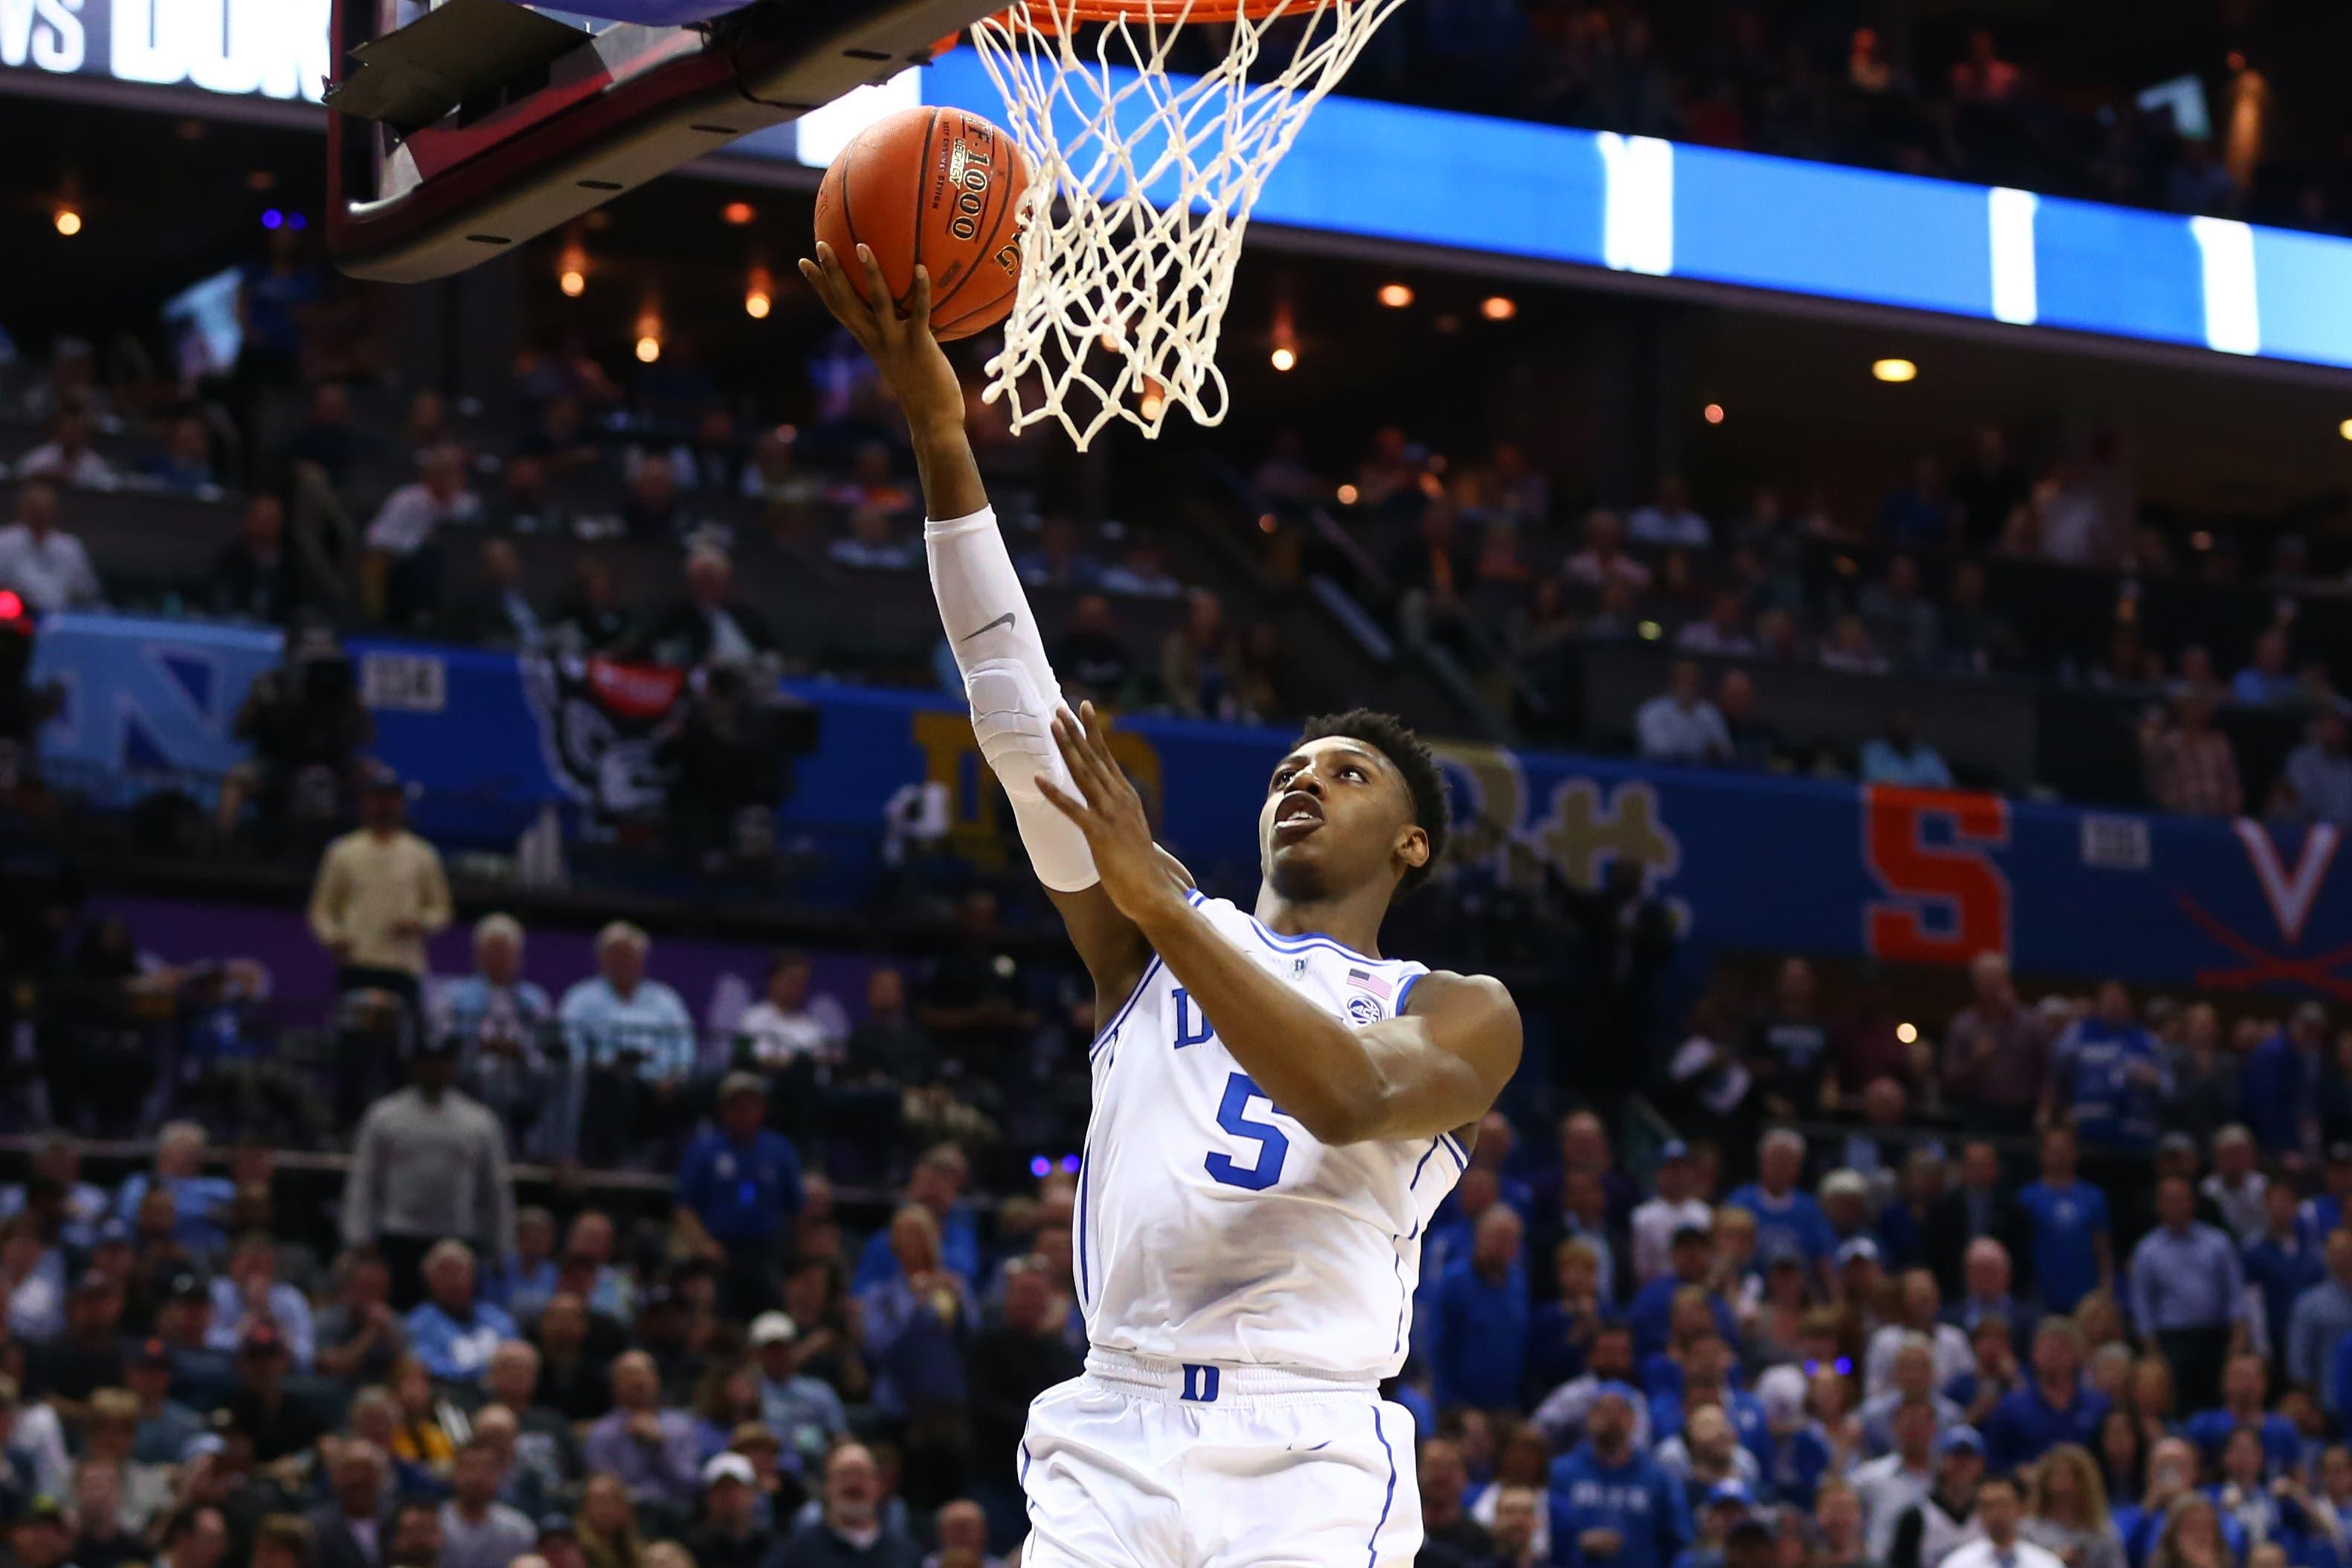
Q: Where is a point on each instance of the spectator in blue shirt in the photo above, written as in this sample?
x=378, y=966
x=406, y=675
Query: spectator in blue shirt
x=201, y=1202
x=1782, y=1209
x=915, y=1323
x=2280, y=1086
x=1911, y=1378
x=738, y=1193
x=2052, y=1407
x=2321, y=1317
x=2107, y=1077
x=452, y=1333
x=2245, y=1382
x=935, y=1182
x=656, y=1453
x=1560, y=1331
x=1704, y=1378
x=250, y=1292
x=80, y=1206
x=499, y=1020
x=1611, y=1506
x=1994, y=1375
x=523, y=1284
x=1480, y=1342
x=620, y=1023
x=1900, y=757
x=2332, y=1498
x=2280, y=1264
x=587, y=1256
x=2073, y=1247
x=2186, y=1288
x=2266, y=677
x=803, y=1412
x=1717, y=1509
x=2322, y=1211
x=1796, y=1450
x=1688, y=1260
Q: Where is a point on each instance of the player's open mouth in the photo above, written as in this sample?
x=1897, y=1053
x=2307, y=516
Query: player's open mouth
x=1297, y=816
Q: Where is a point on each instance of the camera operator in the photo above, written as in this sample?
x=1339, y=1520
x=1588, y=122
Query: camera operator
x=307, y=726
x=728, y=765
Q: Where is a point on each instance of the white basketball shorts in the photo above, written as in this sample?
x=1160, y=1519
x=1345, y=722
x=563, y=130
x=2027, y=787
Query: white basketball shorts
x=1148, y=1464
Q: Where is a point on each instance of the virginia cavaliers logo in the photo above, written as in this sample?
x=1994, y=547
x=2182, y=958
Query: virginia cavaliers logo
x=2291, y=893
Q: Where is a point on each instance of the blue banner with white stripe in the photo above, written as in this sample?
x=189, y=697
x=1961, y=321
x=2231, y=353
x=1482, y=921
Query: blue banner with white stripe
x=1545, y=192
x=1922, y=875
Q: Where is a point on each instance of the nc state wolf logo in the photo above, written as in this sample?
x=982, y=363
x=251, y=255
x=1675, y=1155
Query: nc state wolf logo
x=2290, y=891
x=600, y=722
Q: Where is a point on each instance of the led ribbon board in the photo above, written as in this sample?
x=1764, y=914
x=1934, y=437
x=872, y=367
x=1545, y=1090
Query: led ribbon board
x=1543, y=192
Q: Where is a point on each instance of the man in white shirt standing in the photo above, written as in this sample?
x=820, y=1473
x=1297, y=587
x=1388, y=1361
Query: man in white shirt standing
x=1999, y=1512
x=790, y=1021
x=1891, y=1483
x=1674, y=1208
x=1680, y=725
x=46, y=566
x=401, y=531
x=2236, y=1183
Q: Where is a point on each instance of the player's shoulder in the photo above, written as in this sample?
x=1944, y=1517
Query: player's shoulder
x=1451, y=989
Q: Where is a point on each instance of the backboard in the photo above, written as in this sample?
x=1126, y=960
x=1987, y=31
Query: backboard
x=468, y=126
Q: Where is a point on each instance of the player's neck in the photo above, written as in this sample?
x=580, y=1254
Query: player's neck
x=1352, y=920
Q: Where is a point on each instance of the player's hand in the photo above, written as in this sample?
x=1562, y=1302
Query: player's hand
x=914, y=371
x=1110, y=813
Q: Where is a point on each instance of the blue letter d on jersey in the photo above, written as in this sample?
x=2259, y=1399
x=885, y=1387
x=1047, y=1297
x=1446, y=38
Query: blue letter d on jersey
x=1191, y=1026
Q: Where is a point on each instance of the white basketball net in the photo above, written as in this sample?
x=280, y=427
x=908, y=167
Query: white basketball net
x=1142, y=185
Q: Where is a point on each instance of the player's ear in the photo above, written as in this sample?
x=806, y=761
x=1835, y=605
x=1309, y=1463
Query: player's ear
x=1412, y=846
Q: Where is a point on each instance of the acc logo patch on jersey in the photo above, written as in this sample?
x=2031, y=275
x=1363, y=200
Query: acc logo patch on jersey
x=1363, y=1010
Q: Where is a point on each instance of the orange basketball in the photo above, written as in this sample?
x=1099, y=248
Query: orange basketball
x=936, y=186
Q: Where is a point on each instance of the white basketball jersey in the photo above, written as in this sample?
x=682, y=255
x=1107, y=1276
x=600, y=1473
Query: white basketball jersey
x=1214, y=1228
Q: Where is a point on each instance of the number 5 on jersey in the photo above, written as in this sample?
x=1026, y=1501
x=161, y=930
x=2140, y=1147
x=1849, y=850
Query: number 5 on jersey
x=1273, y=1142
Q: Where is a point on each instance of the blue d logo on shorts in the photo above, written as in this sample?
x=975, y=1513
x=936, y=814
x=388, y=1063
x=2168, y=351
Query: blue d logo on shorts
x=1200, y=1383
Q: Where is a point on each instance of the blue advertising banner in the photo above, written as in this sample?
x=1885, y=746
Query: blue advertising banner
x=1914, y=875
x=1486, y=185
x=1474, y=182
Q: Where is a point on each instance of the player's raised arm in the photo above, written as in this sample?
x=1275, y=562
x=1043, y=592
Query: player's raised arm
x=987, y=617
x=1431, y=1070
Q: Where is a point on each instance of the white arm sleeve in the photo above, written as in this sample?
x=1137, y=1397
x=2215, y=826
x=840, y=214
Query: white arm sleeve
x=993, y=634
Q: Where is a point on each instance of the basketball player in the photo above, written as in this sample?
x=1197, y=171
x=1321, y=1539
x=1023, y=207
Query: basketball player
x=1277, y=1109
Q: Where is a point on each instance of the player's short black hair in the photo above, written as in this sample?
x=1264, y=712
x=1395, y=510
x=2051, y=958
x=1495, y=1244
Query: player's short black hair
x=1424, y=779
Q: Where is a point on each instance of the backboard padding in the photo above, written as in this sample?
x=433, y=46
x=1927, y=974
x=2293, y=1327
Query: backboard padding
x=622, y=108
